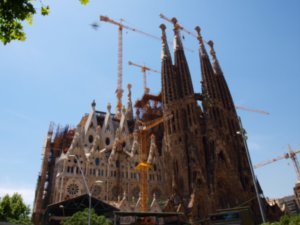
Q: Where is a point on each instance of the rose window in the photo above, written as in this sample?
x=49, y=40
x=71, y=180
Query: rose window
x=96, y=190
x=73, y=189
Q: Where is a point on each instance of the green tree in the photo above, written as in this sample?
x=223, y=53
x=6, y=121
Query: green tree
x=14, y=210
x=295, y=220
x=81, y=218
x=13, y=13
x=286, y=220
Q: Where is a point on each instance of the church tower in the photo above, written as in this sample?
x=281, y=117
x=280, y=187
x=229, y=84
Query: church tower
x=231, y=121
x=182, y=136
x=230, y=166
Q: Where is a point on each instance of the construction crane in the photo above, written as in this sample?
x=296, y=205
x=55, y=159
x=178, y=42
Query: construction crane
x=289, y=155
x=144, y=69
x=251, y=110
x=119, y=91
x=175, y=23
x=143, y=166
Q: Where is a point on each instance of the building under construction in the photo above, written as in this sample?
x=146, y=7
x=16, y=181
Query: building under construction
x=185, y=144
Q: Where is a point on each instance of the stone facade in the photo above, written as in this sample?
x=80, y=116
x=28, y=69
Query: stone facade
x=102, y=157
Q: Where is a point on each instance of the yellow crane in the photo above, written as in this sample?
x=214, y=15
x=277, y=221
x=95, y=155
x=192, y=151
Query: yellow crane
x=143, y=166
x=143, y=70
x=289, y=155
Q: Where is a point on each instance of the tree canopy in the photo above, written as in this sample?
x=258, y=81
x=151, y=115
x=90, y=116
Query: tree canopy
x=14, y=210
x=81, y=218
x=13, y=13
x=286, y=220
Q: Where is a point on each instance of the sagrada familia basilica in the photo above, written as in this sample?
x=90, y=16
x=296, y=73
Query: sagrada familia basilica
x=191, y=141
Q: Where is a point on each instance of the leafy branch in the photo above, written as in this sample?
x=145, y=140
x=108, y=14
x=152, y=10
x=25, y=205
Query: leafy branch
x=13, y=13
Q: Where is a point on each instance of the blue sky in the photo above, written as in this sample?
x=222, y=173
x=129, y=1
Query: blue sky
x=65, y=64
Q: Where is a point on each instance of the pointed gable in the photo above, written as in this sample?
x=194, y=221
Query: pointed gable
x=108, y=129
x=78, y=141
x=169, y=206
x=124, y=205
x=154, y=207
x=123, y=126
x=138, y=205
x=98, y=143
x=153, y=151
x=91, y=120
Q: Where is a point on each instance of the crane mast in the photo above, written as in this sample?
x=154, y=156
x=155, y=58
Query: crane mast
x=119, y=91
x=295, y=161
x=143, y=70
x=143, y=168
x=121, y=26
x=120, y=71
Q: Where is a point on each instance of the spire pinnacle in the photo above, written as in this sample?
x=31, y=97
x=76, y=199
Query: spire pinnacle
x=93, y=105
x=129, y=86
x=137, y=113
x=177, y=40
x=165, y=49
x=108, y=107
x=174, y=21
x=200, y=39
x=176, y=25
x=216, y=64
x=212, y=50
x=163, y=29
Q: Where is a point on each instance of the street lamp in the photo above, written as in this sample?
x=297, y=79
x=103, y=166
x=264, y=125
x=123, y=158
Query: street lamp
x=86, y=186
x=242, y=132
x=63, y=209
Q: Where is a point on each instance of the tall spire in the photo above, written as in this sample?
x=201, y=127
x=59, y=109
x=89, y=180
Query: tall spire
x=216, y=65
x=184, y=76
x=208, y=76
x=169, y=81
x=201, y=42
x=210, y=86
x=165, y=52
x=226, y=97
x=177, y=40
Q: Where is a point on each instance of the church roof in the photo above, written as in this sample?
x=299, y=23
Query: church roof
x=144, y=214
x=69, y=207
